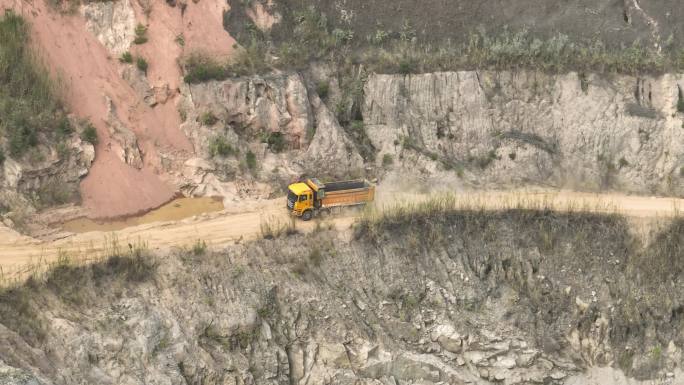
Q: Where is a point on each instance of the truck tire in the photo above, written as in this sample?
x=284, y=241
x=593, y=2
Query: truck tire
x=307, y=215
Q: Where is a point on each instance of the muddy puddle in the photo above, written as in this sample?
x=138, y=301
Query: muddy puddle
x=175, y=210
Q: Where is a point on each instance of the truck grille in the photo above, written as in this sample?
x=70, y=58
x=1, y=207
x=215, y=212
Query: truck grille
x=290, y=204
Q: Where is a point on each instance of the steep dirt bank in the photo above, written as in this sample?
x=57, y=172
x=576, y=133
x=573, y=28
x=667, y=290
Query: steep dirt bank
x=463, y=297
x=91, y=76
x=134, y=111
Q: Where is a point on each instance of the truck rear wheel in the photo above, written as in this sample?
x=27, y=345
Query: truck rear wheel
x=307, y=215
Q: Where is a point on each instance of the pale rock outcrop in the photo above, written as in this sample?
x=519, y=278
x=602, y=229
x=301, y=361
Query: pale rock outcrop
x=137, y=80
x=259, y=105
x=262, y=15
x=246, y=113
x=14, y=376
x=57, y=172
x=367, y=312
x=124, y=141
x=112, y=22
x=66, y=168
x=588, y=131
x=331, y=151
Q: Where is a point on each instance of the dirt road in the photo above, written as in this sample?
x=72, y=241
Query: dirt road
x=19, y=254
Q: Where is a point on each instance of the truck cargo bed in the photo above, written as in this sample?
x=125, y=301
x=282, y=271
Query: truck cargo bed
x=347, y=193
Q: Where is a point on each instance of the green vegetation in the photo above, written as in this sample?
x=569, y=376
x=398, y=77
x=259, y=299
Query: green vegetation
x=180, y=40
x=64, y=127
x=2, y=157
x=29, y=105
x=250, y=159
x=272, y=228
x=484, y=161
x=208, y=118
x=323, y=89
x=141, y=63
x=126, y=57
x=312, y=37
x=623, y=162
x=276, y=141
x=199, y=248
x=387, y=160
x=89, y=133
x=140, y=34
x=201, y=68
x=219, y=146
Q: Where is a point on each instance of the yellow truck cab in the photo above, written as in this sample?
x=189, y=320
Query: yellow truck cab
x=304, y=199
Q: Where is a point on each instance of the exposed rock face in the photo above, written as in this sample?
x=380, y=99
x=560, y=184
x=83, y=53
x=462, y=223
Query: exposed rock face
x=483, y=302
x=52, y=178
x=14, y=376
x=112, y=22
x=259, y=106
x=124, y=141
x=298, y=133
x=589, y=131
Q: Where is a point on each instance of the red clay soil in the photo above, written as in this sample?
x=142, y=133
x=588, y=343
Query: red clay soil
x=113, y=188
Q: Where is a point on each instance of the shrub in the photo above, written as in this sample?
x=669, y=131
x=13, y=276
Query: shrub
x=322, y=89
x=2, y=157
x=140, y=34
x=680, y=100
x=623, y=162
x=208, y=118
x=407, y=66
x=201, y=68
x=199, y=248
x=250, y=159
x=218, y=146
x=126, y=57
x=89, y=134
x=64, y=127
x=180, y=40
x=387, y=160
x=141, y=63
x=276, y=142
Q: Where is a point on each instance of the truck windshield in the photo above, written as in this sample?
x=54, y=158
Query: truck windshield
x=291, y=196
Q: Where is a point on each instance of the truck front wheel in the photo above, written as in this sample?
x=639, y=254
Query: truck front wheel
x=307, y=215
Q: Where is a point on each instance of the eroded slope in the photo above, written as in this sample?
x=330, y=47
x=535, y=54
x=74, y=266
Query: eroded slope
x=429, y=297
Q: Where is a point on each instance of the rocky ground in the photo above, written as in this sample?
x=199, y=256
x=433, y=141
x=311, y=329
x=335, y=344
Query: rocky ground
x=432, y=297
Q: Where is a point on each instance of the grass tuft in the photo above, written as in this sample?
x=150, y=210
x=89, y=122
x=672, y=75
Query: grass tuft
x=126, y=57
x=89, y=134
x=142, y=64
x=140, y=34
x=29, y=105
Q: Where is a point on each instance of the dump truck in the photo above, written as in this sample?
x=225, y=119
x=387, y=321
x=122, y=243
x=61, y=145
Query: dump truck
x=306, y=198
